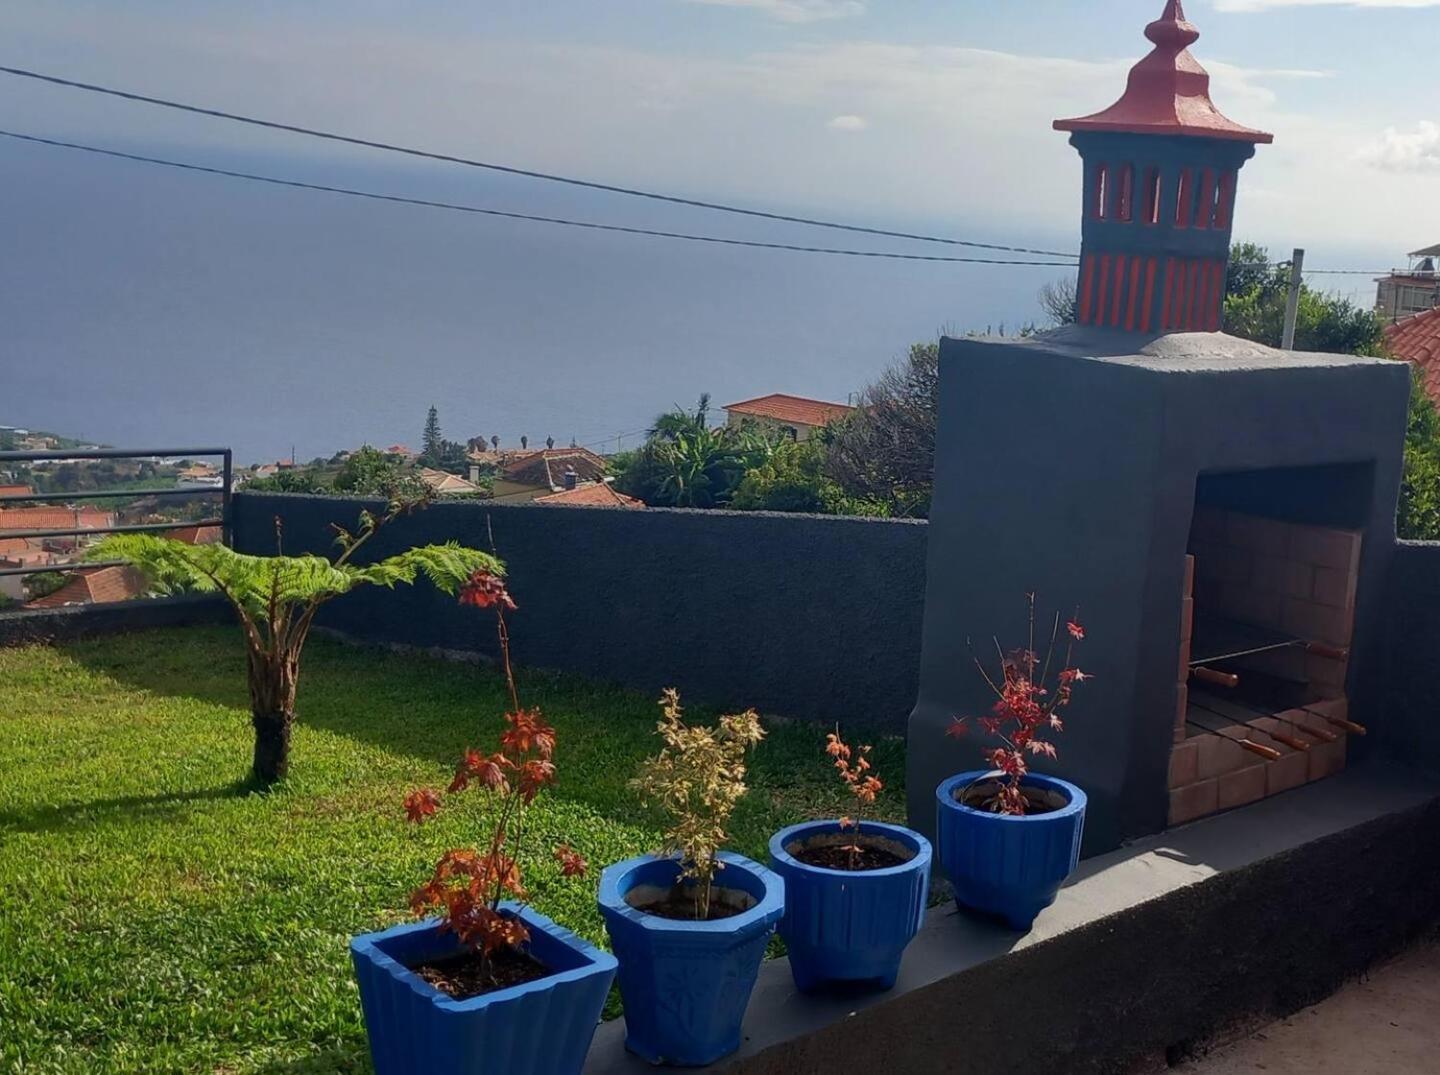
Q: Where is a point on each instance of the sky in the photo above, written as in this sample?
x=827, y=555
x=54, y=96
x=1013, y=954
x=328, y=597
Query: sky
x=139, y=304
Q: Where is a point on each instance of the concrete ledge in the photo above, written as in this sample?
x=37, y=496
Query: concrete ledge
x=35, y=625
x=1149, y=951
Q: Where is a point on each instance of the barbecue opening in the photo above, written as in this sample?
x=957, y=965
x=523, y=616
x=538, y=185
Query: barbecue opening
x=1267, y=623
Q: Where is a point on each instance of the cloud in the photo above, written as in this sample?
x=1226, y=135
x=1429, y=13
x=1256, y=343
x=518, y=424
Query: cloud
x=796, y=11
x=848, y=123
x=1416, y=150
x=1271, y=5
x=954, y=137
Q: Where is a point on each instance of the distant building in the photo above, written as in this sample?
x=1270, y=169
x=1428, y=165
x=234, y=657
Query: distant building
x=1413, y=291
x=15, y=491
x=1417, y=340
x=599, y=494
x=95, y=586
x=794, y=417
x=445, y=483
x=528, y=475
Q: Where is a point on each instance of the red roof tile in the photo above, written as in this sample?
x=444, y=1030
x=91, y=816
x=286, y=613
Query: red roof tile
x=593, y=495
x=546, y=467
x=195, y=535
x=54, y=518
x=794, y=409
x=95, y=585
x=15, y=490
x=1417, y=340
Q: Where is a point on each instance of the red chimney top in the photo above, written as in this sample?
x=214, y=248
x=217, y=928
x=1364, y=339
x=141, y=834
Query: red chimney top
x=1168, y=92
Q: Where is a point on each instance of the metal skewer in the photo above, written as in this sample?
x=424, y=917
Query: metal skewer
x=1241, y=715
x=1268, y=753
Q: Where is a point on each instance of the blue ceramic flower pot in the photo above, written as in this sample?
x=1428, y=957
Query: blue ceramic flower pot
x=686, y=984
x=850, y=925
x=1007, y=865
x=538, y=1028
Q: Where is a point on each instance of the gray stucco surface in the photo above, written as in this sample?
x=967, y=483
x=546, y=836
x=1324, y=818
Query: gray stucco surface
x=813, y=617
x=1068, y=465
x=1148, y=952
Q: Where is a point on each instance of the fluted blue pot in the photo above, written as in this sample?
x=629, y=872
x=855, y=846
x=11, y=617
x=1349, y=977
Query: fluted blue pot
x=686, y=984
x=1006, y=865
x=850, y=925
x=537, y=1028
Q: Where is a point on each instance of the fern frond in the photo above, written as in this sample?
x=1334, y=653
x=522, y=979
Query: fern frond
x=447, y=566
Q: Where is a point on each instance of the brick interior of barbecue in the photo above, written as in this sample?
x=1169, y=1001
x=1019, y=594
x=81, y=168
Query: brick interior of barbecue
x=1252, y=581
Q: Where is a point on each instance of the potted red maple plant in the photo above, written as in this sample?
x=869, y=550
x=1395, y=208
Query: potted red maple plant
x=1008, y=837
x=855, y=889
x=486, y=984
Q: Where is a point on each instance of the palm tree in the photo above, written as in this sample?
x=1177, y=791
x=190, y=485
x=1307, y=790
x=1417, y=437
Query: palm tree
x=276, y=599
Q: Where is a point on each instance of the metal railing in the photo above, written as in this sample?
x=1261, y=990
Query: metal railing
x=223, y=520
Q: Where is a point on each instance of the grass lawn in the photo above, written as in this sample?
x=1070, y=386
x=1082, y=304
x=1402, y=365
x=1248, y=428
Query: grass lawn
x=156, y=915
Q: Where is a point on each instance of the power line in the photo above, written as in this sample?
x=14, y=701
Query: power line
x=482, y=211
x=512, y=170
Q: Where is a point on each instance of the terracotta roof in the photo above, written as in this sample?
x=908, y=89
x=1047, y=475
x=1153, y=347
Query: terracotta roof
x=444, y=482
x=546, y=468
x=195, y=535
x=15, y=490
x=40, y=518
x=795, y=409
x=1417, y=340
x=94, y=585
x=1168, y=91
x=591, y=495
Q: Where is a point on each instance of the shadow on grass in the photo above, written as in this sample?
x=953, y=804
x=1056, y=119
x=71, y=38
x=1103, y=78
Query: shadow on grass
x=433, y=710
x=74, y=815
x=333, y=1061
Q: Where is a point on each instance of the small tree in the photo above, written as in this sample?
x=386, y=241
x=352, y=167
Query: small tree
x=370, y=472
x=1026, y=708
x=884, y=453
x=698, y=778
x=860, y=779
x=468, y=885
x=276, y=599
x=431, y=443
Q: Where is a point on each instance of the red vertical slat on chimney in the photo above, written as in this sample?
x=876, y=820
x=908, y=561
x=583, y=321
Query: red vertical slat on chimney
x=1167, y=291
x=1149, y=294
x=1087, y=287
x=1120, y=260
x=1217, y=307
x=1134, y=294
x=1202, y=296
x=1104, y=283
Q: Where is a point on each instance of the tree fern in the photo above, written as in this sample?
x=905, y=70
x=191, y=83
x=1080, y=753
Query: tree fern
x=277, y=597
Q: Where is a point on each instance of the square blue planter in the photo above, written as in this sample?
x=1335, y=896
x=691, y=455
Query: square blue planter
x=537, y=1028
x=1006, y=865
x=850, y=925
x=686, y=984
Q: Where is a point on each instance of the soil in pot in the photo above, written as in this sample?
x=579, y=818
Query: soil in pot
x=855, y=854
x=678, y=902
x=682, y=907
x=463, y=976
x=985, y=796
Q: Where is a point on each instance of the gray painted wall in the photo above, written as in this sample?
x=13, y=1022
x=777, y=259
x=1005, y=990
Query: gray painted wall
x=813, y=617
x=1405, y=690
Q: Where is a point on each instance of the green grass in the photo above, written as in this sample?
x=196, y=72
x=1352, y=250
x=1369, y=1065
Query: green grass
x=156, y=915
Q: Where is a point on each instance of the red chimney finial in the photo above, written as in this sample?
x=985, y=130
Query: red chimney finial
x=1168, y=91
